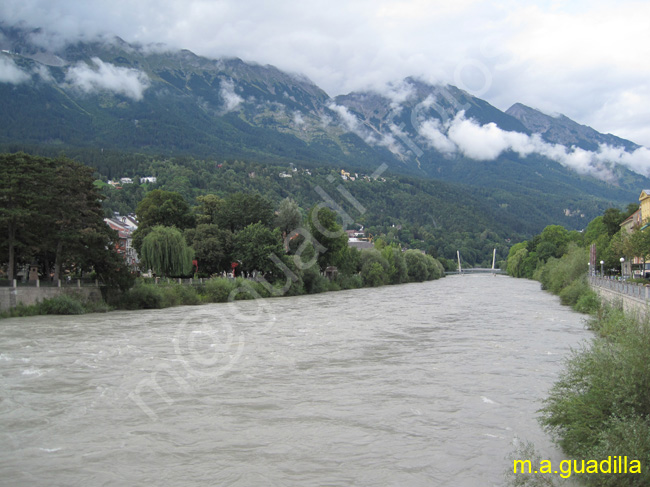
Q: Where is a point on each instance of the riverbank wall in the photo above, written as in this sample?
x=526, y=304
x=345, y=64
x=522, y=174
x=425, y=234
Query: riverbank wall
x=10, y=297
x=633, y=298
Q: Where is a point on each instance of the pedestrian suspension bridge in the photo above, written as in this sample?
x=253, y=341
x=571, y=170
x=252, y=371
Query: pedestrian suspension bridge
x=476, y=270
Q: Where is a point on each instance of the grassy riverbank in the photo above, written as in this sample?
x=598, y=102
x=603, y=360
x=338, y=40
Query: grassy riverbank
x=600, y=405
x=64, y=304
x=145, y=294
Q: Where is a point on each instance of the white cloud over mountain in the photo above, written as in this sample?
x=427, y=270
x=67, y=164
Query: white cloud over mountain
x=10, y=73
x=231, y=100
x=466, y=137
x=101, y=76
x=584, y=58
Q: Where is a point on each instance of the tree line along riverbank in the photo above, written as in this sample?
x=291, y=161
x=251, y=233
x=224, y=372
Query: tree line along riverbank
x=56, y=224
x=600, y=405
x=388, y=266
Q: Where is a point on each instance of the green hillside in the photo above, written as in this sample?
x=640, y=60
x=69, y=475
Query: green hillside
x=132, y=111
x=431, y=215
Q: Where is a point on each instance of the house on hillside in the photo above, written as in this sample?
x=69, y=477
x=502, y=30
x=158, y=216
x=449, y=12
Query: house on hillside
x=125, y=226
x=358, y=240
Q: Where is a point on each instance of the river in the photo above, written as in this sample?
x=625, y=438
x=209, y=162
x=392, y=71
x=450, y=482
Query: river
x=413, y=385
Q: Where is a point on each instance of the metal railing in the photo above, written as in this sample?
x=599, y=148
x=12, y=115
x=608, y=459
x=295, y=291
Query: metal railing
x=196, y=281
x=632, y=289
x=51, y=283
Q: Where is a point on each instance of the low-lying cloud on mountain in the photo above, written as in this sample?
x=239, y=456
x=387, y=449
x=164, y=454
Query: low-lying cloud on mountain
x=88, y=78
x=231, y=99
x=487, y=142
x=583, y=58
x=409, y=117
x=10, y=73
x=101, y=76
x=453, y=133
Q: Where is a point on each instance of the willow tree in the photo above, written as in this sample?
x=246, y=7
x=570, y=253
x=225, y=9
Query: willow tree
x=165, y=252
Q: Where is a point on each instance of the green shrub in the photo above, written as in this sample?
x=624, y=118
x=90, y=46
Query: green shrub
x=600, y=406
x=611, y=321
x=435, y=269
x=373, y=274
x=142, y=296
x=260, y=289
x=170, y=296
x=557, y=274
x=63, y=304
x=313, y=281
x=187, y=294
x=97, y=306
x=296, y=288
x=217, y=290
x=416, y=264
x=332, y=285
x=588, y=302
x=21, y=310
x=570, y=294
x=397, y=270
x=349, y=282
x=375, y=268
x=623, y=436
x=245, y=289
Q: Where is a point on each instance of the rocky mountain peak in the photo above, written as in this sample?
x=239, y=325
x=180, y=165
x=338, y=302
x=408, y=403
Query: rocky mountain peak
x=562, y=130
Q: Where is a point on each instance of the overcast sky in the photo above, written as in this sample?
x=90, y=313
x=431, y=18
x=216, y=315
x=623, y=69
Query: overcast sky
x=589, y=60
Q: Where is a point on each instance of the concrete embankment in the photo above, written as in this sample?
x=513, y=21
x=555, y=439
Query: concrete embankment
x=633, y=298
x=28, y=295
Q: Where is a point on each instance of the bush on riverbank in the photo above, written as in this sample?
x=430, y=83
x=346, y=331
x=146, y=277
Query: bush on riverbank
x=567, y=277
x=155, y=296
x=65, y=304
x=62, y=305
x=390, y=266
x=600, y=406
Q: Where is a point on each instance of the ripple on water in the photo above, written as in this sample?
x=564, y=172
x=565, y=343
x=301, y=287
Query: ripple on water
x=418, y=385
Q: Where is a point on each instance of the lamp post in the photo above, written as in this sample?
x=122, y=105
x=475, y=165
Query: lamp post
x=622, y=260
x=589, y=268
x=601, y=269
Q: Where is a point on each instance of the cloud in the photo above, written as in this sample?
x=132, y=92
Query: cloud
x=231, y=100
x=466, y=137
x=10, y=73
x=570, y=57
x=486, y=142
x=350, y=121
x=44, y=73
x=101, y=76
x=398, y=93
x=297, y=118
x=431, y=130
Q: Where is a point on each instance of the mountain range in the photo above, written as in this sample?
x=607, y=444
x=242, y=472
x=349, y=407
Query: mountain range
x=110, y=94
